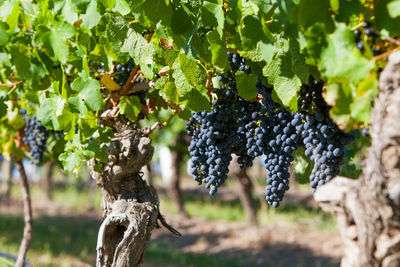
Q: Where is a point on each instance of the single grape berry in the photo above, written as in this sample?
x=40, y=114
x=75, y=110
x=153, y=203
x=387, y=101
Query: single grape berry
x=366, y=25
x=360, y=46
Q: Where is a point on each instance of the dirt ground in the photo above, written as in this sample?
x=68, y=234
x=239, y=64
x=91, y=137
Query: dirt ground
x=277, y=245
x=274, y=245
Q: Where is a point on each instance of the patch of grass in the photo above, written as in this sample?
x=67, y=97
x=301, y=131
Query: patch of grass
x=71, y=195
x=159, y=254
x=53, y=238
x=76, y=197
x=215, y=208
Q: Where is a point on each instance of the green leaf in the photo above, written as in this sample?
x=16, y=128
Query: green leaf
x=340, y=97
x=193, y=72
x=302, y=166
x=171, y=93
x=69, y=12
x=341, y=60
x=246, y=85
x=251, y=31
x=361, y=108
x=160, y=83
x=362, y=104
x=58, y=40
x=141, y=51
x=71, y=160
x=122, y=7
x=335, y=5
x=313, y=11
x=54, y=114
x=265, y=6
x=281, y=73
x=108, y=3
x=3, y=34
x=218, y=50
x=156, y=10
x=187, y=74
x=20, y=58
x=213, y=15
x=181, y=83
x=77, y=105
x=88, y=90
x=91, y=17
x=11, y=10
x=316, y=40
x=394, y=8
x=196, y=101
x=130, y=107
x=3, y=107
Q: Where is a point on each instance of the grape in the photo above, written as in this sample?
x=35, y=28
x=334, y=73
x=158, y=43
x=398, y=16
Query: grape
x=251, y=129
x=122, y=72
x=369, y=32
x=365, y=132
x=366, y=25
x=325, y=146
x=360, y=46
x=35, y=137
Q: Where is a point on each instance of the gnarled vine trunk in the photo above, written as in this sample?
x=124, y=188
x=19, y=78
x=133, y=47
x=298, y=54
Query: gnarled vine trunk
x=368, y=209
x=130, y=207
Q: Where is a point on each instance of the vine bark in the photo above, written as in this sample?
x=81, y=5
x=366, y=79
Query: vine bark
x=368, y=209
x=130, y=206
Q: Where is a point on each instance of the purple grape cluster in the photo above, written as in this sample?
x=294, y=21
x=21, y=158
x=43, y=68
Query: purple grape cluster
x=35, y=137
x=251, y=129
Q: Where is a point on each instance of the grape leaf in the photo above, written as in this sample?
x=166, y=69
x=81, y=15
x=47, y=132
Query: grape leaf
x=213, y=14
x=218, y=50
x=122, y=7
x=246, y=85
x=3, y=107
x=71, y=160
x=91, y=17
x=302, y=166
x=140, y=50
x=313, y=11
x=196, y=101
x=170, y=92
x=88, y=90
x=341, y=60
x=69, y=12
x=130, y=106
x=281, y=75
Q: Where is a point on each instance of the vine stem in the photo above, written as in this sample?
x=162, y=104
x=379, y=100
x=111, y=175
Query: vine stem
x=14, y=85
x=130, y=81
x=158, y=124
x=23, y=248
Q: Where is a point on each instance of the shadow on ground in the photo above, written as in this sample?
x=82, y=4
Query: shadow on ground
x=75, y=236
x=278, y=254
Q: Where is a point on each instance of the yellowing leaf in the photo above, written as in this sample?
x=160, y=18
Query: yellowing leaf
x=109, y=83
